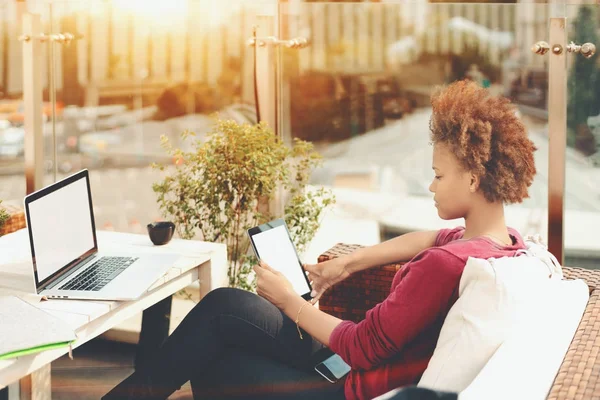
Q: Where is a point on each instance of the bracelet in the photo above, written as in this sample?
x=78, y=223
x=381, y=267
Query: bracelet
x=298, y=319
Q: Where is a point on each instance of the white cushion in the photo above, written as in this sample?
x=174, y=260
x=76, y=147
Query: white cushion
x=493, y=297
x=525, y=365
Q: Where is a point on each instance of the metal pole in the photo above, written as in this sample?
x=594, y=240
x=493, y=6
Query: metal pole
x=557, y=126
x=32, y=102
x=266, y=67
x=266, y=86
x=5, y=57
x=52, y=95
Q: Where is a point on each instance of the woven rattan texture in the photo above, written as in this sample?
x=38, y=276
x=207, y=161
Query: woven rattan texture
x=351, y=298
x=15, y=221
x=579, y=374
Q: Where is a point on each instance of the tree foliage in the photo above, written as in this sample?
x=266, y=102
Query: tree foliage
x=584, y=80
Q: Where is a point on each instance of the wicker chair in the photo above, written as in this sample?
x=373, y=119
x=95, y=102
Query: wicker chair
x=16, y=219
x=579, y=374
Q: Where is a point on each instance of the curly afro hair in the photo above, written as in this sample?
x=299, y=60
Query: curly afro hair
x=487, y=137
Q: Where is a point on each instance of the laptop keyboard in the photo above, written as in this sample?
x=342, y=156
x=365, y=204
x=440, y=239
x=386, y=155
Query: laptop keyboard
x=97, y=275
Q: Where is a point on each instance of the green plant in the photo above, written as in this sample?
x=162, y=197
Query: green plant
x=583, y=83
x=3, y=215
x=220, y=188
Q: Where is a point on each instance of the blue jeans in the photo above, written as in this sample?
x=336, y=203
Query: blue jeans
x=233, y=344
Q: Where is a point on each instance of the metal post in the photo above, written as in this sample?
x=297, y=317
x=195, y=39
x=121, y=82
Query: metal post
x=289, y=62
x=557, y=126
x=266, y=70
x=5, y=45
x=268, y=94
x=32, y=103
x=52, y=95
x=272, y=90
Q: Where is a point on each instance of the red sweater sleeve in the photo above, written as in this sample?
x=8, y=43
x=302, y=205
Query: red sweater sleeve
x=423, y=293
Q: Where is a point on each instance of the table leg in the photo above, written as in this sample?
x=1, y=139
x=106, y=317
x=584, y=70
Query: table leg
x=37, y=385
x=155, y=330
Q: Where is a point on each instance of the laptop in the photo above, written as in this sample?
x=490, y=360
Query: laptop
x=67, y=263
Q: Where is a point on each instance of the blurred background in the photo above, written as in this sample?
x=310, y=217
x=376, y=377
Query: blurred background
x=358, y=90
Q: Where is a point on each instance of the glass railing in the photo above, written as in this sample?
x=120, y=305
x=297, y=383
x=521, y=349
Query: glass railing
x=140, y=71
x=134, y=72
x=582, y=200
x=12, y=134
x=359, y=92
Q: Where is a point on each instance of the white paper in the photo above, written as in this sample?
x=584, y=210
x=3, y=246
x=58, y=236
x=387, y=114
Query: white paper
x=25, y=326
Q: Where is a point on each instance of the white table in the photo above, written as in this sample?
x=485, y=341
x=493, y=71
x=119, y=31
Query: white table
x=206, y=262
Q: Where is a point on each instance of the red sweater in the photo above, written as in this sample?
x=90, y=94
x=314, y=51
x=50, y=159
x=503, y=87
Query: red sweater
x=393, y=344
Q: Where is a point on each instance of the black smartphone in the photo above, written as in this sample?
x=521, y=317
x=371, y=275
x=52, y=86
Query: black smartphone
x=333, y=367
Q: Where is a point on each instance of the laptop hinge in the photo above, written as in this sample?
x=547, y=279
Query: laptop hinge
x=76, y=267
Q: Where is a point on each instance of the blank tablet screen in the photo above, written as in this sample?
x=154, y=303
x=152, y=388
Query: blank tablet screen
x=275, y=248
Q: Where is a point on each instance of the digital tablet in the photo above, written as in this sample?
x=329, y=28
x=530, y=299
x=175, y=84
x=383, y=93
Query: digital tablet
x=272, y=244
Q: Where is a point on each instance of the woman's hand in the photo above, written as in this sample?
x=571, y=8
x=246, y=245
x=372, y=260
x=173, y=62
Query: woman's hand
x=326, y=274
x=273, y=285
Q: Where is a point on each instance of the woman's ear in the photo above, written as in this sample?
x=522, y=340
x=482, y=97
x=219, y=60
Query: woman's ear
x=474, y=185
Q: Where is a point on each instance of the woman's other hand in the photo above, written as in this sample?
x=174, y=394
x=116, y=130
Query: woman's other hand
x=273, y=285
x=326, y=274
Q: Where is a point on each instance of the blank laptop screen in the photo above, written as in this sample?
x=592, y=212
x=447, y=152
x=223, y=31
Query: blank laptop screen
x=61, y=226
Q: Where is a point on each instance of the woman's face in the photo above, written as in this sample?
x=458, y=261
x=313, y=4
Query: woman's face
x=452, y=186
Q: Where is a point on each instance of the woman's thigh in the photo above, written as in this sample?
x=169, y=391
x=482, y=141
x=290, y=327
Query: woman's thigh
x=244, y=320
x=242, y=374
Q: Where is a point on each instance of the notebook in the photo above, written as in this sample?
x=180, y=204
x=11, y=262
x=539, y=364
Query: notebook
x=25, y=329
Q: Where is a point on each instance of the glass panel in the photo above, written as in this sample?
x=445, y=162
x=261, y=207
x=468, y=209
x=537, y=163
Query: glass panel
x=12, y=136
x=360, y=92
x=142, y=70
x=582, y=200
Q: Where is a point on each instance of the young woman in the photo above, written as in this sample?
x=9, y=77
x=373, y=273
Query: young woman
x=235, y=344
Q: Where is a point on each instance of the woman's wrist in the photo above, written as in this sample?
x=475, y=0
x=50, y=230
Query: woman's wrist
x=291, y=301
x=351, y=262
x=292, y=305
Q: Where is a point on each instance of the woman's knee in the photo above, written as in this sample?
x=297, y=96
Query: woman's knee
x=231, y=301
x=222, y=294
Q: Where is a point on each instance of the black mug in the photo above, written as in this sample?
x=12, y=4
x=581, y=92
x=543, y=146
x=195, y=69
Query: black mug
x=161, y=232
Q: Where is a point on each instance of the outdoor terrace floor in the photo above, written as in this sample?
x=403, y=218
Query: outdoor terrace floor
x=96, y=368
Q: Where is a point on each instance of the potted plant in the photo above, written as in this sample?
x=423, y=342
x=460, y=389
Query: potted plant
x=220, y=188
